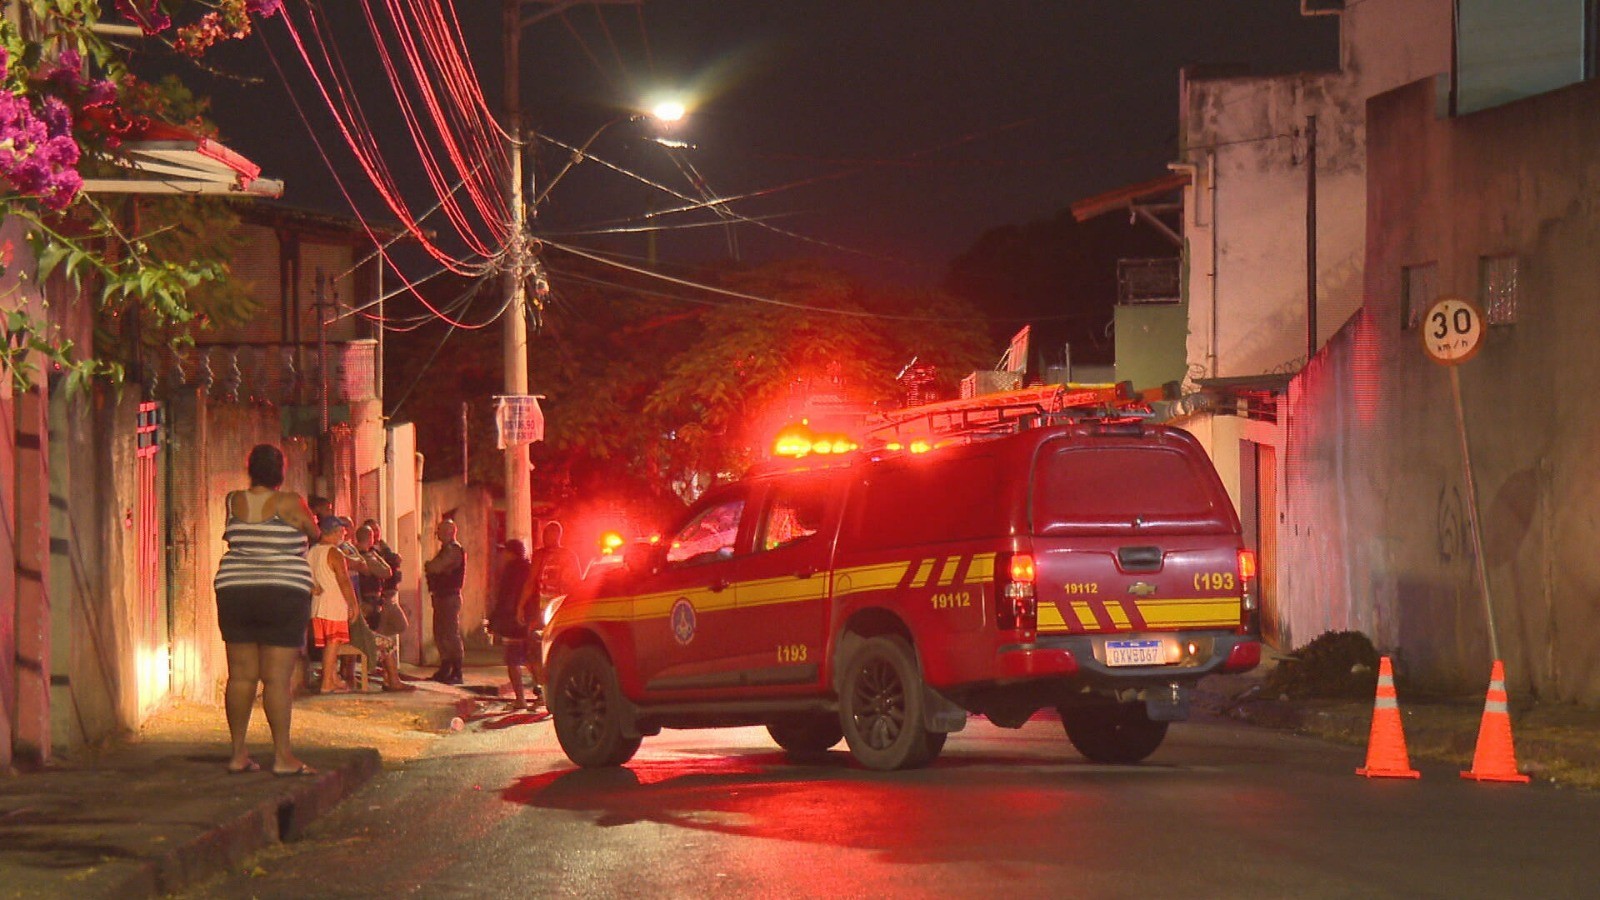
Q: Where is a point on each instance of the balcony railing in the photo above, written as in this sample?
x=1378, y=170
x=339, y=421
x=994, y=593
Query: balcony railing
x=1148, y=281
x=280, y=374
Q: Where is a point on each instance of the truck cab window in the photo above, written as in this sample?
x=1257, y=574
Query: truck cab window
x=709, y=535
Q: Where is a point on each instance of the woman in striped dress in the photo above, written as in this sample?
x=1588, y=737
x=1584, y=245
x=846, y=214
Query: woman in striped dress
x=263, y=589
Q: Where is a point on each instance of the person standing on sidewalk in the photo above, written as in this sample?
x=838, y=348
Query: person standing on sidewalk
x=333, y=603
x=263, y=589
x=556, y=570
x=506, y=618
x=378, y=578
x=447, y=573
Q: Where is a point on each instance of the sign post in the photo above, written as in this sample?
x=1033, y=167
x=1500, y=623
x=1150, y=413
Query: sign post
x=1452, y=332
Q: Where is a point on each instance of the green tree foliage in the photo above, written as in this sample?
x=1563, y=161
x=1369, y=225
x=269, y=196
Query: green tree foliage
x=645, y=390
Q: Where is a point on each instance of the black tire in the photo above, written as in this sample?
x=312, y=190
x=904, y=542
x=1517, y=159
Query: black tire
x=880, y=707
x=807, y=736
x=586, y=704
x=1119, y=733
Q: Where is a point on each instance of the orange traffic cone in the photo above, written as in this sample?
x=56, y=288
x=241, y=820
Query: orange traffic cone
x=1386, y=745
x=1495, y=758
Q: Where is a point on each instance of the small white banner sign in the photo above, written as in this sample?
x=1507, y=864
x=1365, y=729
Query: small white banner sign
x=517, y=420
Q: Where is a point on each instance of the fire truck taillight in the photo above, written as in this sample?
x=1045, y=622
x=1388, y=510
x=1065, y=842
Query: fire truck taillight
x=1017, y=608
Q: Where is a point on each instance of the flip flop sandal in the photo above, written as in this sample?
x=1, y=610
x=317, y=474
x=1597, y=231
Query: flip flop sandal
x=246, y=769
x=303, y=770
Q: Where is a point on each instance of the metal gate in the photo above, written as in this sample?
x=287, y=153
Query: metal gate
x=152, y=638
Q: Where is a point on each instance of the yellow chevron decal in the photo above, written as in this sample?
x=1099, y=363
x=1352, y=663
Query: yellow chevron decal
x=1050, y=618
x=924, y=572
x=947, y=575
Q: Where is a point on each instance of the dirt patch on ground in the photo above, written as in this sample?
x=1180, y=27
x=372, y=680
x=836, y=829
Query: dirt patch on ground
x=399, y=733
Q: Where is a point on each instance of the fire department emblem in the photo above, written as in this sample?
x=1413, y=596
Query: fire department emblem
x=683, y=620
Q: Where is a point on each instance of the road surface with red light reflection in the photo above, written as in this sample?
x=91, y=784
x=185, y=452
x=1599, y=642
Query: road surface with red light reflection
x=1220, y=810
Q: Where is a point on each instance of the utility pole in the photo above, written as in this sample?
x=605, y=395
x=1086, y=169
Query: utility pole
x=519, y=483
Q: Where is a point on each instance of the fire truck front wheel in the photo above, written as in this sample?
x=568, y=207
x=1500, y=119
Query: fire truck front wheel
x=586, y=704
x=880, y=707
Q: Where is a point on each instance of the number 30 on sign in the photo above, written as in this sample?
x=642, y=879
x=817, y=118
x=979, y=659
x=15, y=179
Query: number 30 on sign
x=1452, y=330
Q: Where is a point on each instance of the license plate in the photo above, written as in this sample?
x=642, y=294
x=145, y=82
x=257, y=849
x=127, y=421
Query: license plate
x=1134, y=653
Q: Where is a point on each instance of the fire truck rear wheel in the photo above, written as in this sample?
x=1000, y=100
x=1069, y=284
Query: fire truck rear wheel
x=586, y=704
x=807, y=735
x=880, y=707
x=1118, y=734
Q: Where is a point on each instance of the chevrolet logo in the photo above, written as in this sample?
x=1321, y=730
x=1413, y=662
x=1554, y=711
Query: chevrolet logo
x=1141, y=588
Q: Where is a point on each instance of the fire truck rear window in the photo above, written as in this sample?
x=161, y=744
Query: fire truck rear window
x=1107, y=487
x=927, y=501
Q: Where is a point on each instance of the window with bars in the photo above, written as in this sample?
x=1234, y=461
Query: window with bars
x=1419, y=287
x=1499, y=291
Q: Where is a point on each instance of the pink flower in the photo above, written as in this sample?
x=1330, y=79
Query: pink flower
x=150, y=20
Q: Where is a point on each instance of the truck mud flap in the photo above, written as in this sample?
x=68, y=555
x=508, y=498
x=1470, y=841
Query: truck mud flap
x=940, y=713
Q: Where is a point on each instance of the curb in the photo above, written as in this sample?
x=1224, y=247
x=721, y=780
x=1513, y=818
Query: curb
x=271, y=821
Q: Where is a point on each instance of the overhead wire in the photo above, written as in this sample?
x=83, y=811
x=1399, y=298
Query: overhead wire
x=700, y=203
x=345, y=191
x=370, y=162
x=584, y=45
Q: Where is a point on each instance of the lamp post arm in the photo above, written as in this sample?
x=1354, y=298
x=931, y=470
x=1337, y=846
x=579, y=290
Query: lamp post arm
x=578, y=156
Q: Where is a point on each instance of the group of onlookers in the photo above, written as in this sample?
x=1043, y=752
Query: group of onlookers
x=298, y=582
x=355, y=600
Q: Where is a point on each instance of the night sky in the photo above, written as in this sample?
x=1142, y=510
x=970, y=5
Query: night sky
x=894, y=132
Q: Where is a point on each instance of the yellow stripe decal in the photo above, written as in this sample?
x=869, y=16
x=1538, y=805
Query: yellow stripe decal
x=789, y=589
x=1188, y=612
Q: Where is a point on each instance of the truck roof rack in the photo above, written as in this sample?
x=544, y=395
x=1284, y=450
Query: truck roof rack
x=1007, y=412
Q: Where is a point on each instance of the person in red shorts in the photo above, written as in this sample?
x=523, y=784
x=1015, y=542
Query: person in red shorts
x=333, y=599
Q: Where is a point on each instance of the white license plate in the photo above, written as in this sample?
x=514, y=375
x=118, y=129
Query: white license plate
x=1134, y=653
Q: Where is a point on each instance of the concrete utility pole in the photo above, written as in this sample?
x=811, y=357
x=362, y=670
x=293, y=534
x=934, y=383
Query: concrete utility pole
x=519, y=263
x=519, y=483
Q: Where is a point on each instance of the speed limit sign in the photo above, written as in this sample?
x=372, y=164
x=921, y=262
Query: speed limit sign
x=1452, y=330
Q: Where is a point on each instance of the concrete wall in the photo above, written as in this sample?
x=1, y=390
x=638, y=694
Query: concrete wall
x=1245, y=266
x=1522, y=179
x=1246, y=217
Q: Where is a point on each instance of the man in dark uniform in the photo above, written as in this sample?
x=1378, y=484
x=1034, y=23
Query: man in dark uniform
x=447, y=573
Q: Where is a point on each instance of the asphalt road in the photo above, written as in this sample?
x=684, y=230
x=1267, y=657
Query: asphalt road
x=1221, y=810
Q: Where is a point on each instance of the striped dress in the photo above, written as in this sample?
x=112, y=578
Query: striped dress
x=271, y=553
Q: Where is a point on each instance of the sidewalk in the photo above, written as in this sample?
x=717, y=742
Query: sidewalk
x=153, y=814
